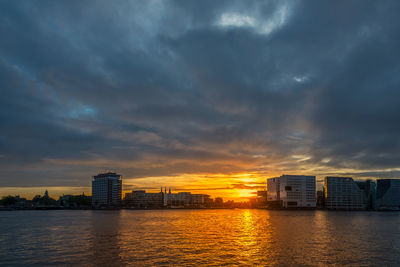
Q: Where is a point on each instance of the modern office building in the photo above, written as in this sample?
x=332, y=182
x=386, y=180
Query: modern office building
x=292, y=191
x=388, y=194
x=106, y=190
x=369, y=188
x=342, y=193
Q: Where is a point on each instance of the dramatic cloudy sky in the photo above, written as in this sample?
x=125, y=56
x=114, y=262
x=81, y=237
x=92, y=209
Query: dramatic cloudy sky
x=198, y=95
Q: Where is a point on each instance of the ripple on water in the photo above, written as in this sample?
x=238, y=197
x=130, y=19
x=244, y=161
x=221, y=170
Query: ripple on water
x=199, y=237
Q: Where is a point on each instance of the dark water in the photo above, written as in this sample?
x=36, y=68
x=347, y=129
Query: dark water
x=199, y=237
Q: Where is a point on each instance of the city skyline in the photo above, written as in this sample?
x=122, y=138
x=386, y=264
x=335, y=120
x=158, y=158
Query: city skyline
x=291, y=192
x=319, y=185
x=209, y=96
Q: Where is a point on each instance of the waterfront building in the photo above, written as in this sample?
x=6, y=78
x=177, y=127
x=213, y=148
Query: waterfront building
x=388, y=194
x=141, y=199
x=273, y=188
x=44, y=202
x=292, y=191
x=185, y=199
x=106, y=190
x=219, y=202
x=369, y=188
x=261, y=200
x=74, y=201
x=342, y=193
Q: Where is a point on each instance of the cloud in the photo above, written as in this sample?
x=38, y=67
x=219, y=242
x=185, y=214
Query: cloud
x=162, y=88
x=260, y=23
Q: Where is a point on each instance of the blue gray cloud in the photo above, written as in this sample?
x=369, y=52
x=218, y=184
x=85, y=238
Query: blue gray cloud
x=156, y=88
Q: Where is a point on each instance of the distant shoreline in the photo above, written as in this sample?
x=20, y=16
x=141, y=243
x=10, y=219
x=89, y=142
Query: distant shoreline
x=152, y=209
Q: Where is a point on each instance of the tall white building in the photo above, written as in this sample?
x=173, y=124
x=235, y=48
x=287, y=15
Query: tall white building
x=292, y=191
x=344, y=193
x=106, y=190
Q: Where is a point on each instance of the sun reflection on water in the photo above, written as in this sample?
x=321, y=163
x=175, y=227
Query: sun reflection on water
x=199, y=237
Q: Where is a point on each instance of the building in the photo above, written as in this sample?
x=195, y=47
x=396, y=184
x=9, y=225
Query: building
x=141, y=199
x=219, y=202
x=273, y=189
x=388, y=194
x=106, y=190
x=342, y=193
x=292, y=191
x=369, y=188
x=75, y=202
x=185, y=199
x=261, y=200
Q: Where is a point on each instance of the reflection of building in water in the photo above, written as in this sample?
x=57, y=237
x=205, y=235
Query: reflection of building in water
x=344, y=193
x=105, y=238
x=320, y=199
x=388, y=194
x=141, y=199
x=106, y=190
x=292, y=191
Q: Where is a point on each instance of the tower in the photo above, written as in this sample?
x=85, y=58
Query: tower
x=106, y=190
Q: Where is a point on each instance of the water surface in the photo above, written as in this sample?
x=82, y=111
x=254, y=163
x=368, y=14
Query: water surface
x=199, y=237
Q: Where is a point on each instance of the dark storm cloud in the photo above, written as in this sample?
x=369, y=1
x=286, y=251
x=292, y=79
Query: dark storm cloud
x=163, y=88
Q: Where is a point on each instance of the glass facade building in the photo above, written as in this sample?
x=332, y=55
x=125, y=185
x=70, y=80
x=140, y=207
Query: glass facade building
x=388, y=194
x=342, y=193
x=106, y=190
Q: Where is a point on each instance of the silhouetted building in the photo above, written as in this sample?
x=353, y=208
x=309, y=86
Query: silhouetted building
x=16, y=202
x=106, y=190
x=141, y=199
x=75, y=201
x=219, y=202
x=292, y=191
x=261, y=200
x=44, y=202
x=388, y=194
x=369, y=189
x=342, y=193
x=185, y=199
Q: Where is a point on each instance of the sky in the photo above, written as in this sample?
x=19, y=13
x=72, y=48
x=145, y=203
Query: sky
x=200, y=96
